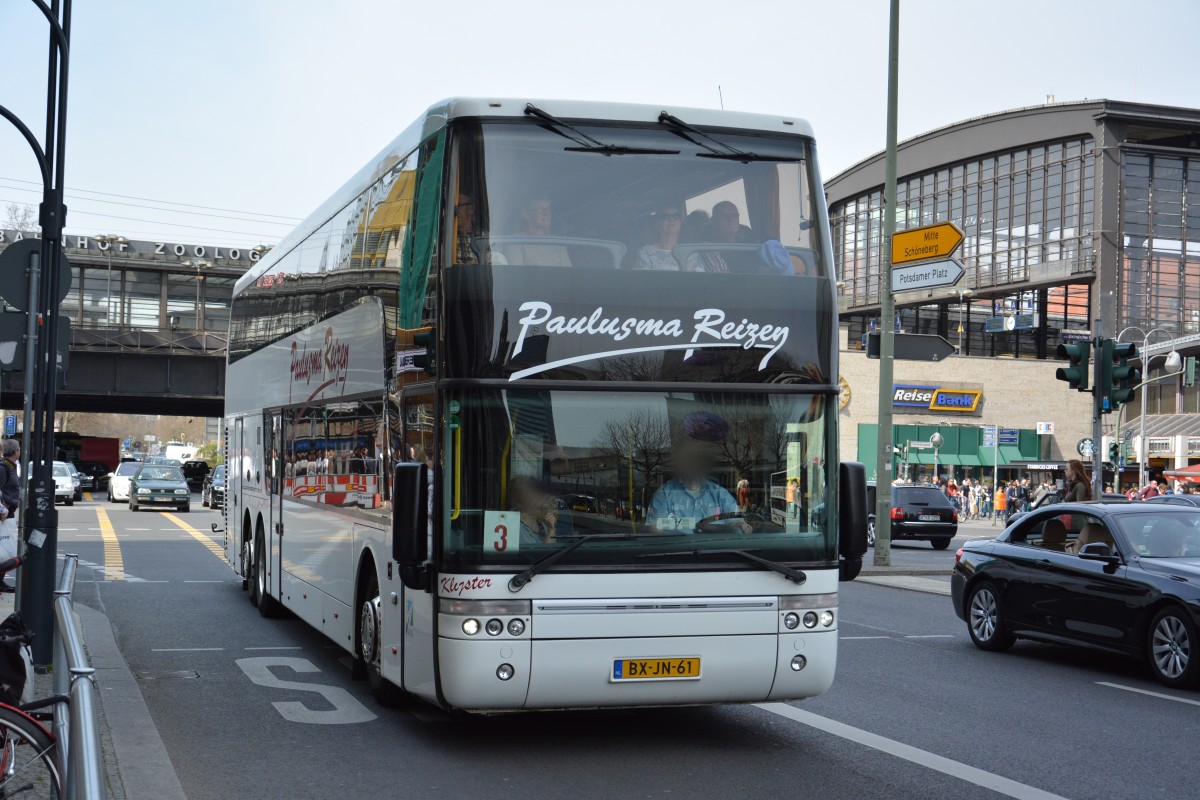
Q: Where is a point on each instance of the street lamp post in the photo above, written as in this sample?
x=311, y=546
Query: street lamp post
x=198, y=265
x=962, y=293
x=1142, y=453
x=108, y=240
x=936, y=440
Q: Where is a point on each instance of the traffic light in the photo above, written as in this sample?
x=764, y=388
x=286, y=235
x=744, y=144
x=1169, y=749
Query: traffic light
x=1075, y=375
x=1189, y=371
x=1120, y=379
x=425, y=351
x=1114, y=453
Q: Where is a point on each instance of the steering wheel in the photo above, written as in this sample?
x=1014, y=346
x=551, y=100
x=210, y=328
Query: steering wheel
x=720, y=523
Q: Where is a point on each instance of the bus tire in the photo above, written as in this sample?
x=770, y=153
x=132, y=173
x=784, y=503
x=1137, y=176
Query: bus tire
x=369, y=646
x=268, y=606
x=244, y=566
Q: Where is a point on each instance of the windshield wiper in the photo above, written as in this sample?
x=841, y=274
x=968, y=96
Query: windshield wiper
x=793, y=575
x=518, y=581
x=715, y=147
x=587, y=144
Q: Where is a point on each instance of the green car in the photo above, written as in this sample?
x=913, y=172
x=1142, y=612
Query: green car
x=158, y=485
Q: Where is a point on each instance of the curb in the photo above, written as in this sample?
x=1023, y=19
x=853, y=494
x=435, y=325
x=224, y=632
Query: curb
x=140, y=766
x=875, y=572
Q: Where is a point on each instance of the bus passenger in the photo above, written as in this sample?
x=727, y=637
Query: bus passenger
x=725, y=228
x=539, y=513
x=537, y=219
x=668, y=222
x=691, y=495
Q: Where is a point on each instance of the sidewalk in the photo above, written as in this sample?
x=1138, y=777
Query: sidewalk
x=136, y=763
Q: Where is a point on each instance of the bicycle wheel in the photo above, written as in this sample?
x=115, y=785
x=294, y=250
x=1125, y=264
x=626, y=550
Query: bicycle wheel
x=27, y=768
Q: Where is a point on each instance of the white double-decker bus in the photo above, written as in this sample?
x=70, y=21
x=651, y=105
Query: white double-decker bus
x=507, y=414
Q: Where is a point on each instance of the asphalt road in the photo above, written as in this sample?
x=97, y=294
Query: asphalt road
x=916, y=711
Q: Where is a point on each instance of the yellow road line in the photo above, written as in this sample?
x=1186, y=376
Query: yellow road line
x=214, y=548
x=87, y=496
x=114, y=563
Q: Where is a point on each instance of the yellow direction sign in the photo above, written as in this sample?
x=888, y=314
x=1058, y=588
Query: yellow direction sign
x=932, y=241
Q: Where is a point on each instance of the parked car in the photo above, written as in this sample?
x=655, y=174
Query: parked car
x=195, y=471
x=1118, y=577
x=76, y=480
x=64, y=483
x=118, y=481
x=212, y=493
x=93, y=473
x=1055, y=496
x=158, y=485
x=919, y=512
x=1176, y=499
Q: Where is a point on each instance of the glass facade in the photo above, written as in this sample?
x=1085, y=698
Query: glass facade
x=1159, y=279
x=1018, y=209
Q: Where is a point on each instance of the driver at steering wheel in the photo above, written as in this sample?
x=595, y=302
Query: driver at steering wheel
x=691, y=497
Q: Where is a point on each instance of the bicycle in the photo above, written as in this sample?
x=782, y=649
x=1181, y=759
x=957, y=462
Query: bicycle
x=28, y=749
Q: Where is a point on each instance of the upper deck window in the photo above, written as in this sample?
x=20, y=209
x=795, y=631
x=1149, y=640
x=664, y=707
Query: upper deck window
x=528, y=194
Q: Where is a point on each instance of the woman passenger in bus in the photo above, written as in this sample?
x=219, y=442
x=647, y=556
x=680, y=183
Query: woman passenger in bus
x=668, y=223
x=539, y=513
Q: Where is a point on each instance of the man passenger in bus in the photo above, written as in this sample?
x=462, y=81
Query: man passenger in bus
x=464, y=224
x=724, y=228
x=691, y=495
x=537, y=219
x=667, y=222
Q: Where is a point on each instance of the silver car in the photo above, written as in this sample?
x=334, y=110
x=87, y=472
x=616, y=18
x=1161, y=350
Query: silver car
x=64, y=484
x=118, y=482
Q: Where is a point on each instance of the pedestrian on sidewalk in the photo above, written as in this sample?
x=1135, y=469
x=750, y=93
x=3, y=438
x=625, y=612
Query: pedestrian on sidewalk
x=10, y=500
x=985, y=502
x=1001, y=504
x=1079, y=488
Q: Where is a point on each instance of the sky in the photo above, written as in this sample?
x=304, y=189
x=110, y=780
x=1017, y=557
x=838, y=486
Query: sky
x=225, y=122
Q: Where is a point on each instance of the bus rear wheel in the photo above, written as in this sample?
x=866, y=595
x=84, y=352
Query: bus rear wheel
x=370, y=649
x=268, y=606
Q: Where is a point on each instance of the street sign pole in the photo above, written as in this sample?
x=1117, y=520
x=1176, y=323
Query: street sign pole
x=883, y=456
x=1097, y=412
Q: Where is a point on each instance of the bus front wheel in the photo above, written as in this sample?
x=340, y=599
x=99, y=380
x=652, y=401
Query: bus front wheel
x=370, y=649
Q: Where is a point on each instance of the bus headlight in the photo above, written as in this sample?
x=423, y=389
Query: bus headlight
x=470, y=627
x=494, y=627
x=791, y=620
x=505, y=672
x=826, y=618
x=516, y=627
x=810, y=619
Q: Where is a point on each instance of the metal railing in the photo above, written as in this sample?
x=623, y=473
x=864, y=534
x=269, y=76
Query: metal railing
x=80, y=763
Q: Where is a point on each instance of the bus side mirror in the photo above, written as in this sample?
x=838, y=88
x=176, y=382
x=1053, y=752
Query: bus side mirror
x=410, y=515
x=852, y=518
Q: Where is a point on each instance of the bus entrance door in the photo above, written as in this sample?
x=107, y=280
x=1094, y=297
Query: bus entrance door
x=419, y=431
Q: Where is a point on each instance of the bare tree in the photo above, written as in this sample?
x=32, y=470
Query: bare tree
x=643, y=439
x=20, y=217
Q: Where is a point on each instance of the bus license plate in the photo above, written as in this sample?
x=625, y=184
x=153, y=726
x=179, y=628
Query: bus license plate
x=655, y=669
x=929, y=517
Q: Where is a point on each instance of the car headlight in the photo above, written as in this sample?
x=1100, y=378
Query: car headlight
x=143, y=491
x=181, y=491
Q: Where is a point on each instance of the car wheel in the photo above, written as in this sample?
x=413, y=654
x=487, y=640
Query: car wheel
x=132, y=505
x=871, y=532
x=203, y=501
x=185, y=508
x=985, y=618
x=1172, y=648
x=939, y=544
x=70, y=501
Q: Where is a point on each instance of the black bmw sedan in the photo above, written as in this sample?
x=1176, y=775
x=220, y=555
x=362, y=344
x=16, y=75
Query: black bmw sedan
x=1124, y=578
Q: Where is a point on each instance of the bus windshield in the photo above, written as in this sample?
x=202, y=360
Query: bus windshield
x=530, y=195
x=677, y=478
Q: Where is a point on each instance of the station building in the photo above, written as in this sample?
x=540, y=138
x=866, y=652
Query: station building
x=1080, y=218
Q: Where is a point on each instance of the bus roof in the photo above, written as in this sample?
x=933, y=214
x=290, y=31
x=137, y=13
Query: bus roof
x=442, y=112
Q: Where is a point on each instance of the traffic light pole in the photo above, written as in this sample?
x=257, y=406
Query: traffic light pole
x=1097, y=411
x=887, y=311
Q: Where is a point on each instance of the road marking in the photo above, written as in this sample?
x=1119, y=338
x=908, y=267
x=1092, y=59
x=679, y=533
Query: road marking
x=1147, y=691
x=346, y=709
x=848, y=638
x=136, y=529
x=185, y=649
x=287, y=647
x=931, y=636
x=204, y=581
x=212, y=546
x=114, y=564
x=923, y=758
